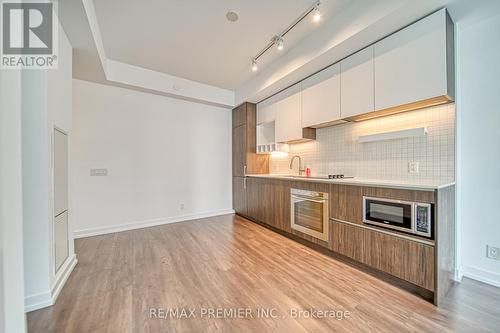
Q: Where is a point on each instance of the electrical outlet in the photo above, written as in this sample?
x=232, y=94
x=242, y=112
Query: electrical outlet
x=181, y=206
x=413, y=167
x=492, y=252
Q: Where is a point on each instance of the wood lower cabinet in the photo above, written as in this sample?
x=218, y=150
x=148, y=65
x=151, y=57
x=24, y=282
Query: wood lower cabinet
x=277, y=210
x=268, y=201
x=406, y=259
x=409, y=260
x=412, y=260
x=240, y=196
x=347, y=240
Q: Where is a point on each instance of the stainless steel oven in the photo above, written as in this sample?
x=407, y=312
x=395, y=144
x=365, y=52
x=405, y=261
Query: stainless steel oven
x=309, y=213
x=410, y=217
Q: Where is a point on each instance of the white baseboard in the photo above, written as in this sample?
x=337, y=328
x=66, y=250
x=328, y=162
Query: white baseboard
x=62, y=276
x=37, y=301
x=48, y=298
x=147, y=223
x=481, y=275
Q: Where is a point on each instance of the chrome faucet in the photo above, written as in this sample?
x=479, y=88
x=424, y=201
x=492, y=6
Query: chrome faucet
x=300, y=164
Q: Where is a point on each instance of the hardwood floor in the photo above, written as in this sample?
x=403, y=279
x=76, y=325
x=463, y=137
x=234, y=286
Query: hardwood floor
x=229, y=262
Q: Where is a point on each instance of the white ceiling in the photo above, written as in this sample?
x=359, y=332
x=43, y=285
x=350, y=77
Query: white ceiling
x=194, y=40
x=192, y=49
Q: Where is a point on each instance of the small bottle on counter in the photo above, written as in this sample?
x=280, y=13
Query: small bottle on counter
x=308, y=171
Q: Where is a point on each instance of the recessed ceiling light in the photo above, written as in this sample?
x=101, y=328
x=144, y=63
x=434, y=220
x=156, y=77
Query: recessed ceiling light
x=232, y=16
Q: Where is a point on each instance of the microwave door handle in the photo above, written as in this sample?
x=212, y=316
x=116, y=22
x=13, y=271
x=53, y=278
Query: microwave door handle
x=413, y=217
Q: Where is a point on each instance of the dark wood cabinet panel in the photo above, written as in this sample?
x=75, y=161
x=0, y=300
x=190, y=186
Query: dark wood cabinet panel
x=254, y=201
x=400, y=194
x=346, y=203
x=245, y=159
x=408, y=260
x=268, y=201
x=311, y=186
x=347, y=240
x=240, y=115
x=276, y=194
x=239, y=196
x=239, y=150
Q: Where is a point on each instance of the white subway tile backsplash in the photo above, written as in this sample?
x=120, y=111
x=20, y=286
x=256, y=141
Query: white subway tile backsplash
x=337, y=150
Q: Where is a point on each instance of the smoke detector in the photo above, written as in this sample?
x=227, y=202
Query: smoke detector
x=232, y=16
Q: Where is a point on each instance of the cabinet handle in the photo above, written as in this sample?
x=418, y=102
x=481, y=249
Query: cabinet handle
x=244, y=183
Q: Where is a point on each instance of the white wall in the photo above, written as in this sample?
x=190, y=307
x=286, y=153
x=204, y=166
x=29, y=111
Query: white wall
x=12, y=318
x=46, y=103
x=160, y=153
x=478, y=133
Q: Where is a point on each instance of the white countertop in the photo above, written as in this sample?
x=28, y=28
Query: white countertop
x=403, y=184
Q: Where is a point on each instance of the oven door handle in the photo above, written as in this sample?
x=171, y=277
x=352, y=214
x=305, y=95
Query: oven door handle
x=294, y=196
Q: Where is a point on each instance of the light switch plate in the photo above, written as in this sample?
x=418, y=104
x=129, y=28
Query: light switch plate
x=492, y=252
x=98, y=172
x=413, y=167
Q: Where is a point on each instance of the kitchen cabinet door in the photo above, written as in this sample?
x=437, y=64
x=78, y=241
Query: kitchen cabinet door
x=356, y=80
x=254, y=198
x=240, y=195
x=289, y=115
x=275, y=203
x=406, y=259
x=347, y=240
x=281, y=205
x=266, y=110
x=240, y=115
x=239, y=150
x=346, y=203
x=411, y=65
x=321, y=97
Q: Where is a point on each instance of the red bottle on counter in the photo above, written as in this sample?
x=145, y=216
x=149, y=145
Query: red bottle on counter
x=308, y=171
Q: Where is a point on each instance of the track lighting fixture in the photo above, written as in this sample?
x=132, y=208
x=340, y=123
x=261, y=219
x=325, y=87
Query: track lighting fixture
x=278, y=40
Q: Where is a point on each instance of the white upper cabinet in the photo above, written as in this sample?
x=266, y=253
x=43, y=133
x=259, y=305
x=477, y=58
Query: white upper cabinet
x=289, y=115
x=321, y=97
x=416, y=63
x=357, y=93
x=266, y=110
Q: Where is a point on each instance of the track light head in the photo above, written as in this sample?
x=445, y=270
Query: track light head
x=317, y=13
x=254, y=65
x=278, y=40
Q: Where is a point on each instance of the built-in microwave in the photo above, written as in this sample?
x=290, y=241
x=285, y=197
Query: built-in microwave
x=410, y=217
